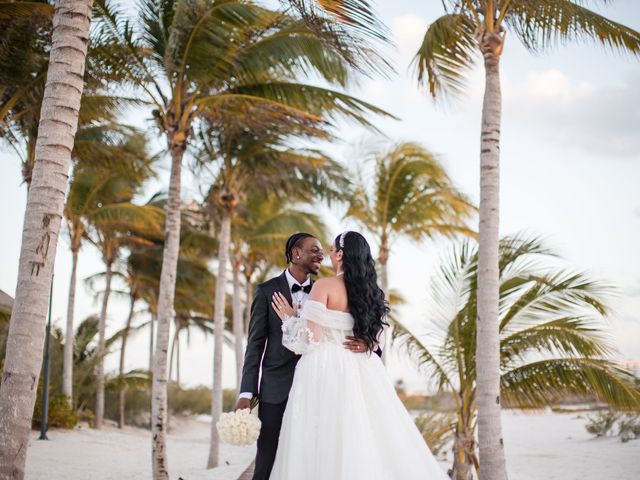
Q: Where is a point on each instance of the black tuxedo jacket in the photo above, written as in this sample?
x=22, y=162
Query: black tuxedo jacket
x=265, y=349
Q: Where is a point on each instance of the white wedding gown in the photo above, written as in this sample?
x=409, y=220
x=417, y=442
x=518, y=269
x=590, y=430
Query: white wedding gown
x=343, y=419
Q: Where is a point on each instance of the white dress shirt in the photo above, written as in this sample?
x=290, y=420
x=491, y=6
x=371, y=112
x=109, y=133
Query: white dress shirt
x=299, y=298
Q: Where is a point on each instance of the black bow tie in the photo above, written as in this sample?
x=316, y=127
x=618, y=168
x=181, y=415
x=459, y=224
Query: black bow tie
x=296, y=288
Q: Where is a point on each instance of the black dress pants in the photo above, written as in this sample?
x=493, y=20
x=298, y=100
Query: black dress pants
x=271, y=417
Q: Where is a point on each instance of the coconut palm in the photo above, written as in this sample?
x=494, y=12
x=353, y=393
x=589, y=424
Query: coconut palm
x=139, y=277
x=404, y=191
x=43, y=215
x=113, y=228
x=24, y=57
x=24, y=45
x=98, y=192
x=12, y=9
x=552, y=341
x=99, y=140
x=449, y=49
x=194, y=289
x=219, y=59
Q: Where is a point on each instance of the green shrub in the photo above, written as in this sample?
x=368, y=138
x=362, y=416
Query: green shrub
x=602, y=422
x=436, y=429
x=629, y=428
x=187, y=401
x=607, y=422
x=60, y=414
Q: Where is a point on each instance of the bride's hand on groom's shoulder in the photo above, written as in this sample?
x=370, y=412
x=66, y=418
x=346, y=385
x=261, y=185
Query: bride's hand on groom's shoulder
x=281, y=306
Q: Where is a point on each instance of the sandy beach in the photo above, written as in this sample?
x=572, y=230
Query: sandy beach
x=540, y=446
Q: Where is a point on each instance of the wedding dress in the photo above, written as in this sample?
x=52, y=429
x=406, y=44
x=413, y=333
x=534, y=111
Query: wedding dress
x=343, y=419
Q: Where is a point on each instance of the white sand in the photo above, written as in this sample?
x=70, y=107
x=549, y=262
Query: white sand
x=539, y=447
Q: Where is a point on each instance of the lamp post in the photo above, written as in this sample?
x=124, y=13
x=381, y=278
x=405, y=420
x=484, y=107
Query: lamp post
x=44, y=418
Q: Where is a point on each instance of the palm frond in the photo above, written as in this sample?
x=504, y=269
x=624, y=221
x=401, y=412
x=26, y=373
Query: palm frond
x=447, y=53
x=355, y=13
x=541, y=25
x=411, y=196
x=313, y=102
x=11, y=9
x=540, y=383
x=552, y=293
x=571, y=336
x=425, y=359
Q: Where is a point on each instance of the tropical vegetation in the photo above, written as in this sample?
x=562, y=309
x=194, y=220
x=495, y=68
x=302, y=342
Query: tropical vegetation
x=472, y=32
x=552, y=342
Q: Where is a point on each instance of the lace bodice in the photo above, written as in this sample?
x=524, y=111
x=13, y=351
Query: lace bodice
x=316, y=325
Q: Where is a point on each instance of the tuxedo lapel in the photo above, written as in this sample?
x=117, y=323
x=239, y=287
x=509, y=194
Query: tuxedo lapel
x=284, y=288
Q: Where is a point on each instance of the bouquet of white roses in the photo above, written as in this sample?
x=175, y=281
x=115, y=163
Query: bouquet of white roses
x=239, y=428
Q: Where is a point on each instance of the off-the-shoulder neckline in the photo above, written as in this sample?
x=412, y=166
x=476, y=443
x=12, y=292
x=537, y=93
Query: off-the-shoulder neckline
x=329, y=309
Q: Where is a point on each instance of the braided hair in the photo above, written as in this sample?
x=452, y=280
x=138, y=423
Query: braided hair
x=294, y=241
x=366, y=299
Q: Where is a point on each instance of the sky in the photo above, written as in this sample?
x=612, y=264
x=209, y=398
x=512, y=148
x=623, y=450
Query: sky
x=570, y=169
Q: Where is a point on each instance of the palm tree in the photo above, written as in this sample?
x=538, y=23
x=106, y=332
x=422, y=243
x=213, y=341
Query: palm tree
x=450, y=48
x=24, y=45
x=404, y=191
x=58, y=124
x=12, y=9
x=99, y=140
x=551, y=338
x=98, y=193
x=140, y=277
x=119, y=225
x=219, y=59
x=24, y=57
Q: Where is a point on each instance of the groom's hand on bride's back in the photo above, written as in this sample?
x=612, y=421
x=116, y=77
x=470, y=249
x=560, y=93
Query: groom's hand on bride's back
x=243, y=403
x=355, y=345
x=359, y=346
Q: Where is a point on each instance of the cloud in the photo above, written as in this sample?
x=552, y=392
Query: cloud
x=633, y=291
x=602, y=121
x=408, y=32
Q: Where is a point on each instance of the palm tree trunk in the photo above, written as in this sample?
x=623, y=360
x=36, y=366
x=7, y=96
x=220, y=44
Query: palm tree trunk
x=43, y=214
x=173, y=351
x=67, y=361
x=177, y=359
x=463, y=443
x=165, y=314
x=247, y=305
x=384, y=282
x=121, y=385
x=492, y=460
x=238, y=327
x=383, y=259
x=151, y=332
x=216, y=397
x=102, y=327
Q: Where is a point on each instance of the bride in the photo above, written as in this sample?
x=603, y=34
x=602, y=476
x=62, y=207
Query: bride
x=343, y=419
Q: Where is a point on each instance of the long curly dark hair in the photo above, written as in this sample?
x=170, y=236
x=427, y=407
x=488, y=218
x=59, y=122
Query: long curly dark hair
x=366, y=299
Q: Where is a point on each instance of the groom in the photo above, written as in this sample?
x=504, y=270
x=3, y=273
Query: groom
x=268, y=365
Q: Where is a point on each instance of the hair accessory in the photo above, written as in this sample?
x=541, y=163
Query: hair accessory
x=342, y=235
